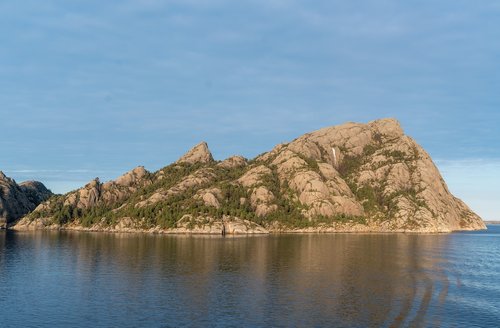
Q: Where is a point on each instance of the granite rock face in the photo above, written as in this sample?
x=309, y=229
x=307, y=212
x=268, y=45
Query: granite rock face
x=17, y=200
x=198, y=154
x=353, y=177
x=376, y=171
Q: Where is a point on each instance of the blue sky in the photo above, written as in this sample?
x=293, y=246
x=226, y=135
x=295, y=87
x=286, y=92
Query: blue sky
x=95, y=88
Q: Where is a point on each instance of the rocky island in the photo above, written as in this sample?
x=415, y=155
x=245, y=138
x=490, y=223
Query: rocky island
x=348, y=178
x=17, y=200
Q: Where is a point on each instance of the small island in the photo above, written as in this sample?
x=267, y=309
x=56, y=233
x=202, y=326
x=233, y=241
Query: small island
x=348, y=178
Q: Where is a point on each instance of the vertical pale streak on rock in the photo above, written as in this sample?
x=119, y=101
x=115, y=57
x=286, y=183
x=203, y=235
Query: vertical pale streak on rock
x=334, y=157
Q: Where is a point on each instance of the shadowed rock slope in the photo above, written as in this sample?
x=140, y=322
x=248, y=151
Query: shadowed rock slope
x=16, y=200
x=353, y=177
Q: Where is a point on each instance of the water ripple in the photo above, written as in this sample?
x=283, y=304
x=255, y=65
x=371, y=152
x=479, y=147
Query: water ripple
x=52, y=279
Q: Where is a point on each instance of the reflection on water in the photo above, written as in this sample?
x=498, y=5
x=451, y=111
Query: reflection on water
x=344, y=280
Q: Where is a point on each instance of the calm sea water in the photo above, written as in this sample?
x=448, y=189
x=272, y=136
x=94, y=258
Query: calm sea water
x=64, y=279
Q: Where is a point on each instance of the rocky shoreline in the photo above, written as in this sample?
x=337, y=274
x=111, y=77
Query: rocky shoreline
x=228, y=225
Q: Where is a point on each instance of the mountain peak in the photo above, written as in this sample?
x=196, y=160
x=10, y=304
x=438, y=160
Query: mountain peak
x=198, y=154
x=16, y=200
x=387, y=126
x=132, y=176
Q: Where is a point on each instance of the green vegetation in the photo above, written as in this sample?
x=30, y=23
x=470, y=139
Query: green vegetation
x=311, y=163
x=351, y=163
x=372, y=196
x=369, y=150
x=396, y=156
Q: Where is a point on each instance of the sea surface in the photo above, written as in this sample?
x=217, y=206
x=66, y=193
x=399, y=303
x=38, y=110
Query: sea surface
x=71, y=279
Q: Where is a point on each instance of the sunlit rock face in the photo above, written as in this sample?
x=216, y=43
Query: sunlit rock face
x=351, y=177
x=198, y=154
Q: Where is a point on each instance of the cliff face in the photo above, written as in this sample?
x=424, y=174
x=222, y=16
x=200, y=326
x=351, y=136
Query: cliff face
x=16, y=200
x=352, y=177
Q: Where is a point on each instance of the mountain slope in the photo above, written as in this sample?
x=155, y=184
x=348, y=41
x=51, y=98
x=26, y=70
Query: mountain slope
x=16, y=200
x=352, y=177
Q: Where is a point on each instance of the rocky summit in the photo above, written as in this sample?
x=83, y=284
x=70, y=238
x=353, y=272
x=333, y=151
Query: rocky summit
x=348, y=178
x=17, y=200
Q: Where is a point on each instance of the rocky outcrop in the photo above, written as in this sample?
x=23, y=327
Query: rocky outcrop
x=233, y=162
x=225, y=225
x=211, y=197
x=254, y=176
x=95, y=193
x=16, y=200
x=132, y=178
x=35, y=191
x=199, y=154
x=262, y=201
x=392, y=178
x=199, y=178
x=353, y=177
